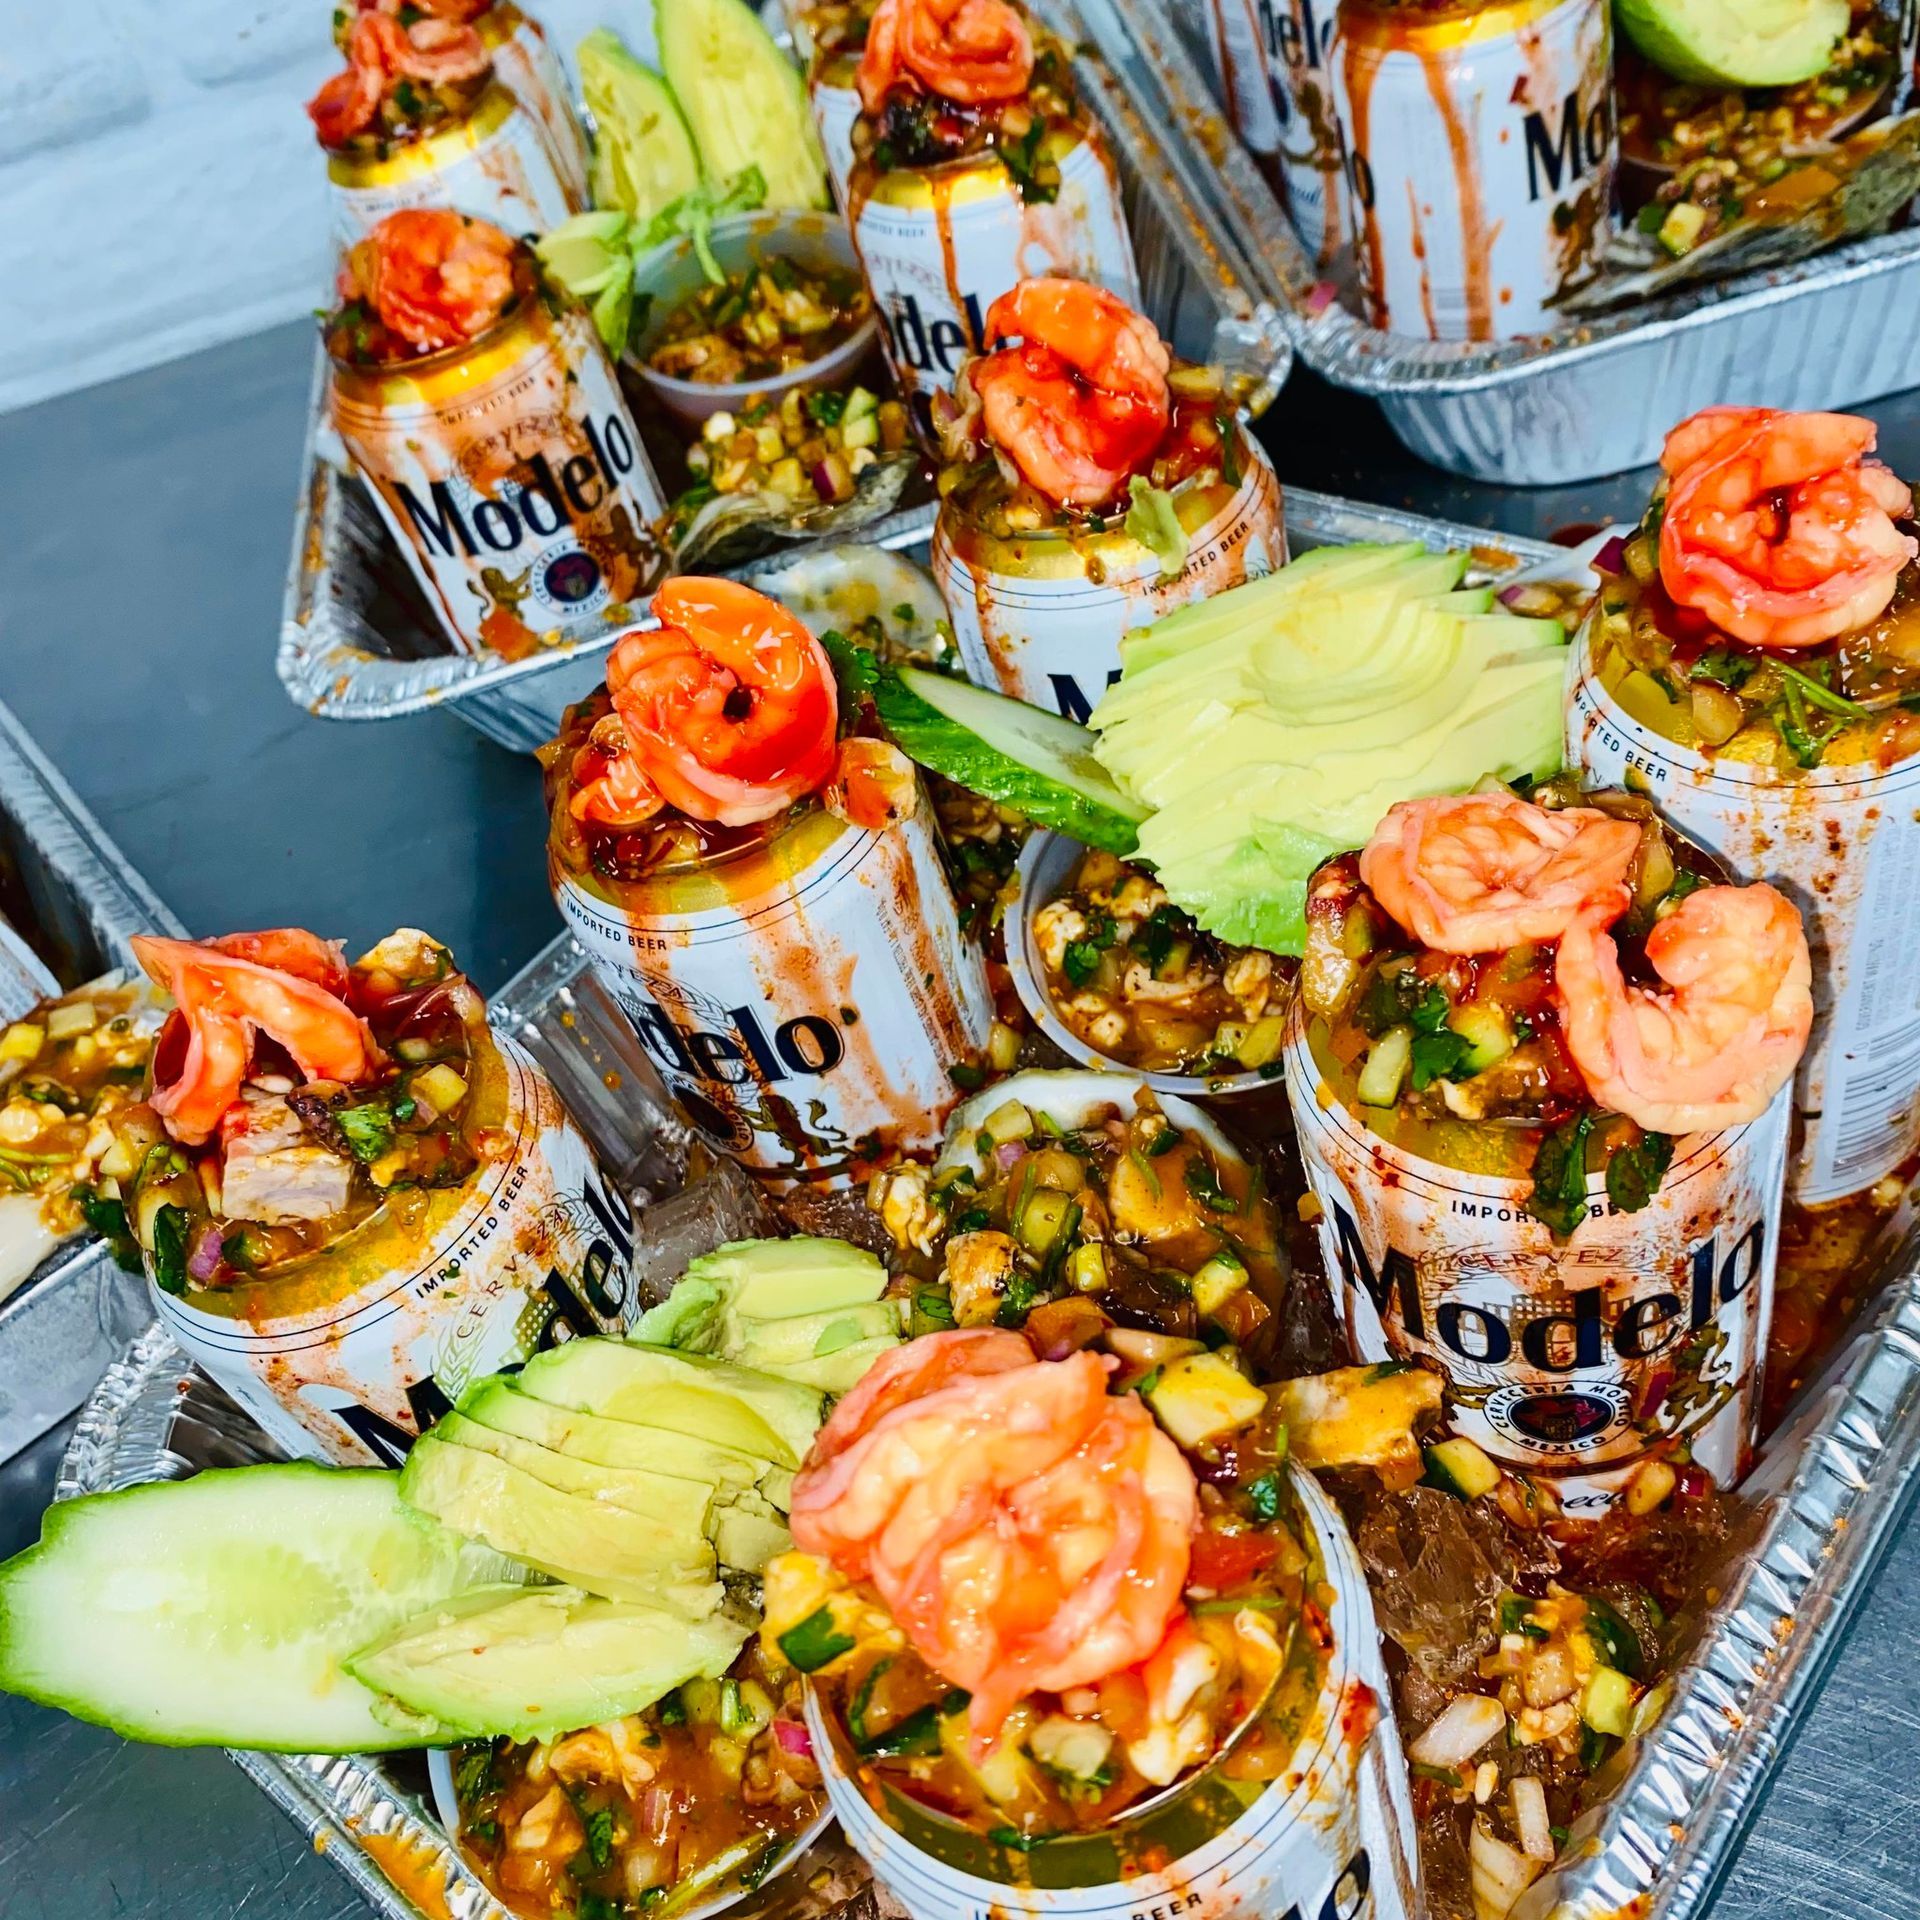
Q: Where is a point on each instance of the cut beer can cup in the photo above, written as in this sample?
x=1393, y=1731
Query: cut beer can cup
x=1568, y=1359
x=348, y=1354
x=1843, y=841
x=524, y=60
x=1330, y=1838
x=495, y=163
x=511, y=475
x=805, y=995
x=1481, y=151
x=1040, y=616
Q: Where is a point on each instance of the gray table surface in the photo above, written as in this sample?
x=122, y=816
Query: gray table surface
x=144, y=529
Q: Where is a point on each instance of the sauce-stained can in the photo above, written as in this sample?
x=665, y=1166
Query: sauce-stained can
x=805, y=992
x=941, y=244
x=1481, y=150
x=494, y=163
x=347, y=1355
x=1575, y=1359
x=1040, y=616
x=1330, y=1838
x=511, y=474
x=527, y=66
x=836, y=106
x=1843, y=842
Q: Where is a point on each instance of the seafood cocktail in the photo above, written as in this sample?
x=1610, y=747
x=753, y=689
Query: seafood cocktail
x=1090, y=483
x=977, y=163
x=487, y=421
x=759, y=885
x=352, y=1197
x=1537, y=1069
x=1753, y=659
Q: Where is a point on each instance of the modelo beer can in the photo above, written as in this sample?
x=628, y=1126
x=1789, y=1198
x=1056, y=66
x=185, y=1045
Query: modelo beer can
x=836, y=106
x=940, y=245
x=1238, y=39
x=527, y=66
x=494, y=163
x=805, y=993
x=512, y=476
x=1843, y=842
x=349, y=1354
x=1570, y=1360
x=1040, y=616
x=1481, y=151
x=1331, y=1838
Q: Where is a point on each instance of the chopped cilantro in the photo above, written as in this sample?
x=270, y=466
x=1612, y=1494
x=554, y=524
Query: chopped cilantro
x=1263, y=1497
x=368, y=1128
x=672, y=1709
x=1634, y=1172
x=1438, y=1056
x=1205, y=1187
x=854, y=668
x=600, y=1835
x=170, y=1249
x=474, y=1774
x=1560, y=1177
x=1722, y=664
x=816, y=1642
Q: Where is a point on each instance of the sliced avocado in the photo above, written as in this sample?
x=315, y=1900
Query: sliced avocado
x=688, y=1318
x=749, y=1534
x=531, y=1663
x=688, y=1392
x=840, y=1370
x=768, y=1279
x=1736, y=43
x=743, y=98
x=643, y=153
x=603, y=1549
x=499, y=1403
x=775, y=1345
x=652, y=1496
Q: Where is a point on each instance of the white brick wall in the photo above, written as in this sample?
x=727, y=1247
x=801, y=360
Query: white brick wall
x=160, y=189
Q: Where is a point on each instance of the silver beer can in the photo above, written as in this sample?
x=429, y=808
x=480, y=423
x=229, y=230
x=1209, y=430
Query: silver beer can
x=526, y=64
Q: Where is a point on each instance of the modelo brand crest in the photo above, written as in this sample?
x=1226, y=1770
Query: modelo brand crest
x=815, y=1018
x=1574, y=1358
x=939, y=247
x=352, y=1355
x=1041, y=617
x=495, y=164
x=1481, y=150
x=1331, y=1839
x=1843, y=843
x=512, y=476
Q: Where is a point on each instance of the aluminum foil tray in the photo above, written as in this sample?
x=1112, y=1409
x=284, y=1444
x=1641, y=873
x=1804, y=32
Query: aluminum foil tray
x=68, y=901
x=1591, y=399
x=358, y=641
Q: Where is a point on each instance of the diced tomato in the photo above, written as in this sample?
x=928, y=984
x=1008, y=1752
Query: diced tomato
x=1223, y=1561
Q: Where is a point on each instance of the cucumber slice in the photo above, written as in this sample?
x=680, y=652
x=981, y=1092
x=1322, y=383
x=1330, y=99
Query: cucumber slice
x=218, y=1611
x=743, y=98
x=643, y=155
x=1461, y=1467
x=1013, y=754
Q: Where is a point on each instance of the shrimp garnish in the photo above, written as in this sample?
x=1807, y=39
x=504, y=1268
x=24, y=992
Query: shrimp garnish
x=1081, y=404
x=1481, y=872
x=380, y=52
x=225, y=998
x=726, y=711
x=1026, y=1529
x=1777, y=527
x=972, y=52
x=1725, y=1035
x=435, y=278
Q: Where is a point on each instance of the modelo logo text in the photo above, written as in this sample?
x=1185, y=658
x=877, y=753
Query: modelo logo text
x=1580, y=1335
x=745, y=1051
x=1293, y=35
x=538, y=504
x=931, y=346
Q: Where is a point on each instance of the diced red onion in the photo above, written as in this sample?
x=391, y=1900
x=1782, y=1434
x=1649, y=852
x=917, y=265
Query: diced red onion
x=204, y=1261
x=1612, y=558
x=794, y=1738
x=1007, y=1152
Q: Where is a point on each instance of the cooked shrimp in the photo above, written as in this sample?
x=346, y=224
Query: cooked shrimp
x=727, y=711
x=1723, y=1038
x=224, y=1000
x=435, y=278
x=1081, y=405
x=873, y=784
x=1778, y=528
x=1025, y=1529
x=380, y=51
x=1480, y=872
x=972, y=52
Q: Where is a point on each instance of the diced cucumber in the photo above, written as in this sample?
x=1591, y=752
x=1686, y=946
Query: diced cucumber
x=1087, y=1268
x=1006, y=751
x=862, y=403
x=1218, y=1281
x=1460, y=1466
x=1386, y=1069
x=219, y=1611
x=1046, y=1220
x=1203, y=1397
x=1486, y=1031
x=1607, y=1704
x=1008, y=1123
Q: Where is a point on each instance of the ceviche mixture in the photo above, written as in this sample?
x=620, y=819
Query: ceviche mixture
x=424, y=280
x=943, y=80
x=1767, y=609
x=1141, y=982
x=409, y=72
x=809, y=447
x=1067, y=425
x=762, y=321
x=293, y=1097
x=1546, y=988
